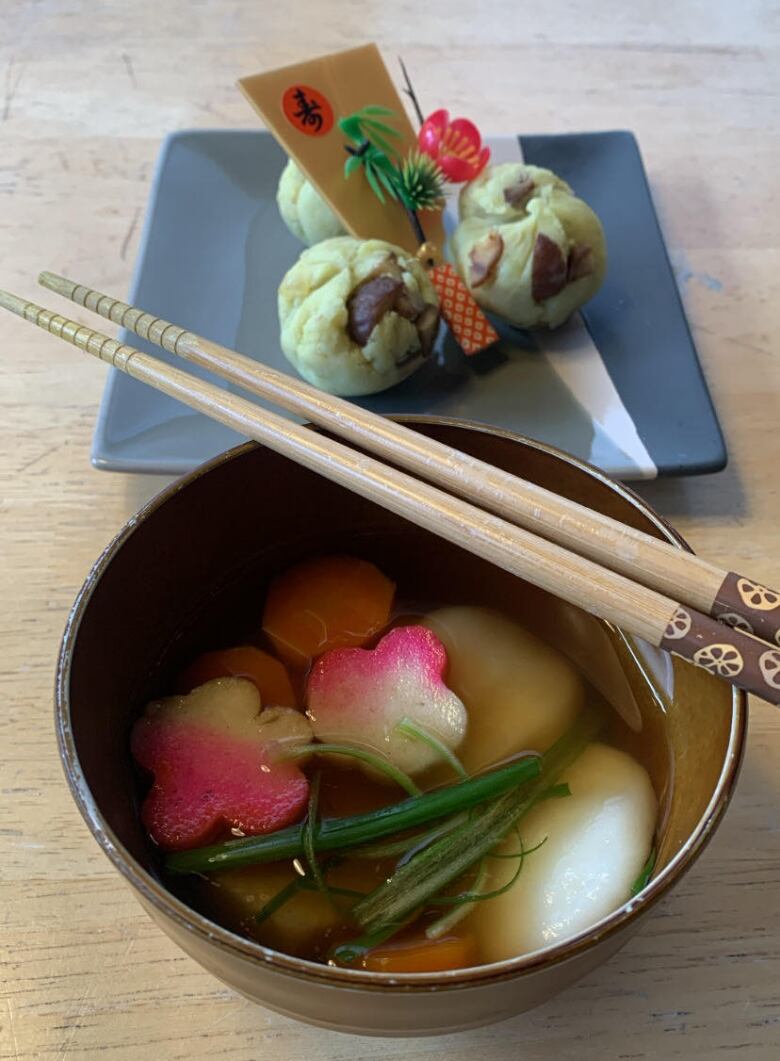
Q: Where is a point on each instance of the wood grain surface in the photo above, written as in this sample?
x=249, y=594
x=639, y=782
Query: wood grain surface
x=87, y=91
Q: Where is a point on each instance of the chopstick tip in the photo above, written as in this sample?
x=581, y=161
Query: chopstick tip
x=60, y=285
x=13, y=302
x=50, y=280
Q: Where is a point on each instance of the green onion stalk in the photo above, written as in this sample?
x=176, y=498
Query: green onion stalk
x=431, y=871
x=338, y=834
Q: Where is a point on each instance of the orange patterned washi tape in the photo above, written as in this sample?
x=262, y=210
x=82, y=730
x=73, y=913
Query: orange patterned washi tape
x=471, y=328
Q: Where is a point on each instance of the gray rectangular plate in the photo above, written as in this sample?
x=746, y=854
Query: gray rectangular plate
x=620, y=387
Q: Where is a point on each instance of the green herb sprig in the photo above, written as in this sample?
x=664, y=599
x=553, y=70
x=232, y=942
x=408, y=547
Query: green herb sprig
x=410, y=728
x=645, y=874
x=310, y=832
x=441, y=863
x=303, y=884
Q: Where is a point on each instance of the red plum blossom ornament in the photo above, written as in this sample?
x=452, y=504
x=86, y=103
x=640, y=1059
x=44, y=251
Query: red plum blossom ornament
x=456, y=146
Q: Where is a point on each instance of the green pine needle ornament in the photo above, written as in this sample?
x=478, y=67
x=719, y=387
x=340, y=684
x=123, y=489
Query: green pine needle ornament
x=420, y=182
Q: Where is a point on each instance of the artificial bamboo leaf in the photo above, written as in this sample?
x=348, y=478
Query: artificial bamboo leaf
x=379, y=142
x=374, y=108
x=382, y=127
x=387, y=181
x=371, y=178
x=351, y=127
x=352, y=163
x=383, y=162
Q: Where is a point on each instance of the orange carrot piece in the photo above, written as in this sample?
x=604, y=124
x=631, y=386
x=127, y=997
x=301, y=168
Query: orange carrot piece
x=330, y=602
x=422, y=955
x=268, y=674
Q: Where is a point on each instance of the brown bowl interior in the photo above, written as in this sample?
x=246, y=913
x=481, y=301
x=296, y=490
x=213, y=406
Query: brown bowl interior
x=189, y=574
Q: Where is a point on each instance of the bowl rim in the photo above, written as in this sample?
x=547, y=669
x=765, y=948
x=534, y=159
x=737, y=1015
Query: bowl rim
x=151, y=891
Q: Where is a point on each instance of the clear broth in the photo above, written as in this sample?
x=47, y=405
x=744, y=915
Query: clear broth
x=636, y=725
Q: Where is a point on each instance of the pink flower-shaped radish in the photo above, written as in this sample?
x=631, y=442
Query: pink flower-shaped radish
x=360, y=695
x=217, y=764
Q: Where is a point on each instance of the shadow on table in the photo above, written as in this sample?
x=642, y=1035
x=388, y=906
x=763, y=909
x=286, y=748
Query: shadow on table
x=705, y=497
x=140, y=489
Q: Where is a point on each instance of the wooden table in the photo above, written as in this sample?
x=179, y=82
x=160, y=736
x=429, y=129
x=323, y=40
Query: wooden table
x=86, y=93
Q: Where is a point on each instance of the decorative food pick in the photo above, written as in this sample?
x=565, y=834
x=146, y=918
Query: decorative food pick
x=302, y=105
x=455, y=149
x=346, y=105
x=418, y=182
x=471, y=328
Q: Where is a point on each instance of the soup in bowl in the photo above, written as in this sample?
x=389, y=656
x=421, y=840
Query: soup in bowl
x=363, y=776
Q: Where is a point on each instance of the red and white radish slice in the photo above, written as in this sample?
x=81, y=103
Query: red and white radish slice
x=218, y=763
x=360, y=695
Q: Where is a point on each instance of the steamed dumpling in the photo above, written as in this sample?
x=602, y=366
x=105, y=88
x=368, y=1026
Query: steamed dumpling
x=357, y=316
x=598, y=840
x=502, y=193
x=303, y=209
x=527, y=247
x=521, y=694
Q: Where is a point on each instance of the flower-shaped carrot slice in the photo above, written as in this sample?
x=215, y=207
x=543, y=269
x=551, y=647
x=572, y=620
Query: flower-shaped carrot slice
x=217, y=762
x=326, y=603
x=268, y=674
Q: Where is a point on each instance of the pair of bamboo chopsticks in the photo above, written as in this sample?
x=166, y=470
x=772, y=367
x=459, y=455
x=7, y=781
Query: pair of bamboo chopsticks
x=648, y=587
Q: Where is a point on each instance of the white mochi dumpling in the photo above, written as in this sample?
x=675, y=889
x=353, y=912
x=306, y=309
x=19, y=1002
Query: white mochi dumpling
x=598, y=840
x=521, y=694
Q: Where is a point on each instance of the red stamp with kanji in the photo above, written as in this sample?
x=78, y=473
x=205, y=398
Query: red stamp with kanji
x=308, y=110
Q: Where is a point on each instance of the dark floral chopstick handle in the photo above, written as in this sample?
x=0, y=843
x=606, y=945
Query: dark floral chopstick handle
x=746, y=605
x=725, y=652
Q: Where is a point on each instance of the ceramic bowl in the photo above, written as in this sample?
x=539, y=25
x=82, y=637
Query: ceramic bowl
x=205, y=548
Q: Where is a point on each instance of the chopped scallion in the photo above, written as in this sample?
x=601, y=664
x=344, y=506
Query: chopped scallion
x=413, y=729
